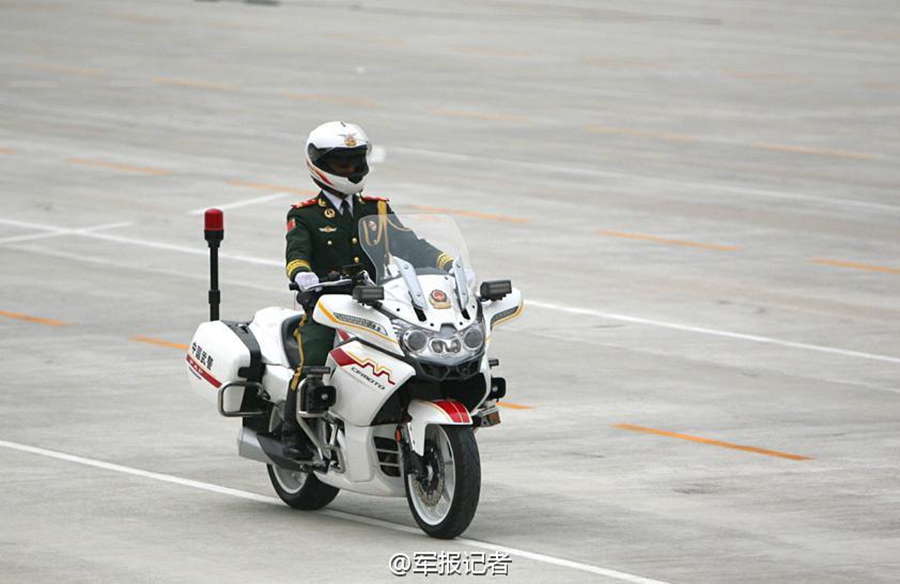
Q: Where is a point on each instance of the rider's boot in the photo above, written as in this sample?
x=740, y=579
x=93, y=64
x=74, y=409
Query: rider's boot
x=295, y=443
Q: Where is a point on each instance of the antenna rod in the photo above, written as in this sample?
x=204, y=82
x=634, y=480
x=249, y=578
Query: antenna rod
x=214, y=233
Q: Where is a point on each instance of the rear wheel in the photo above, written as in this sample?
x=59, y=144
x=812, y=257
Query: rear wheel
x=300, y=490
x=444, y=501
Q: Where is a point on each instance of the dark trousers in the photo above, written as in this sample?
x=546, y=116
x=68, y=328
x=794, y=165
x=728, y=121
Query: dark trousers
x=315, y=341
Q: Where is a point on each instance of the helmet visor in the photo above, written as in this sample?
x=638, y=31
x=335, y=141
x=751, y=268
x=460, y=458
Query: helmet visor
x=349, y=163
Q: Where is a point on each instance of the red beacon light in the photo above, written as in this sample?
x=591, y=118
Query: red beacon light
x=214, y=225
x=214, y=233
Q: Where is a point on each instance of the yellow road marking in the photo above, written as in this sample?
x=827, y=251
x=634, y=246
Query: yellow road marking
x=642, y=134
x=512, y=406
x=712, y=442
x=365, y=40
x=492, y=52
x=5, y=151
x=813, y=151
x=787, y=77
x=475, y=214
x=855, y=266
x=84, y=71
x=195, y=83
x=142, y=19
x=266, y=187
x=149, y=341
x=476, y=115
x=116, y=166
x=667, y=241
x=624, y=63
x=330, y=99
x=29, y=318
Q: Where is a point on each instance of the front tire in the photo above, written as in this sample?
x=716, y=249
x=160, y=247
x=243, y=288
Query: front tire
x=300, y=490
x=444, y=502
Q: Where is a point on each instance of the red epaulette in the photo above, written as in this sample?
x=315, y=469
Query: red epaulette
x=305, y=203
x=369, y=199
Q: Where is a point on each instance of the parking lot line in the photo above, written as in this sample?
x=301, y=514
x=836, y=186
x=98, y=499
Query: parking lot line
x=712, y=442
x=29, y=318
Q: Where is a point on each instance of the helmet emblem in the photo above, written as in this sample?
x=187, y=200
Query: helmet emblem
x=438, y=299
x=350, y=141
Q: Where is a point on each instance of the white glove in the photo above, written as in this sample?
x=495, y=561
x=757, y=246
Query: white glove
x=306, y=280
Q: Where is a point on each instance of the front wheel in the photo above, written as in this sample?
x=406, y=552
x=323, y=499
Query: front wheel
x=444, y=501
x=300, y=490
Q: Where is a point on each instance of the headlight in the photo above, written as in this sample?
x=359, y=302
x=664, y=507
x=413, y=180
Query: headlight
x=414, y=340
x=444, y=348
x=473, y=338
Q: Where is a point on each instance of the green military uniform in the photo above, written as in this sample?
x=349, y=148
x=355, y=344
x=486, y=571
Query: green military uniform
x=321, y=240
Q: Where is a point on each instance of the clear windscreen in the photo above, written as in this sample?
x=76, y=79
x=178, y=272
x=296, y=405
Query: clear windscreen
x=431, y=244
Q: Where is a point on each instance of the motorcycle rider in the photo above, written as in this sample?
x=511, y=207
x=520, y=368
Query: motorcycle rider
x=323, y=236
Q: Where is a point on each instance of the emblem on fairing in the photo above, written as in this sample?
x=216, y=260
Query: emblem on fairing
x=438, y=299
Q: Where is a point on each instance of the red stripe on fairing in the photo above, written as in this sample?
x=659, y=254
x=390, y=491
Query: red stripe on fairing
x=344, y=336
x=457, y=412
x=203, y=373
x=341, y=358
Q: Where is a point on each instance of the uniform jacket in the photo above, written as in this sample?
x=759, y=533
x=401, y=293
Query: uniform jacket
x=320, y=240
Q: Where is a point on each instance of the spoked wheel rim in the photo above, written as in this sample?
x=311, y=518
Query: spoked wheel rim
x=291, y=481
x=432, y=496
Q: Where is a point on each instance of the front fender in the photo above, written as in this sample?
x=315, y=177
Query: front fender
x=446, y=412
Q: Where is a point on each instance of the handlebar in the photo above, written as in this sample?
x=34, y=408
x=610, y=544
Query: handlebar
x=321, y=285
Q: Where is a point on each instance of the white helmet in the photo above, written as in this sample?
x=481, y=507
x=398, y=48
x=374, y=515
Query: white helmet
x=336, y=155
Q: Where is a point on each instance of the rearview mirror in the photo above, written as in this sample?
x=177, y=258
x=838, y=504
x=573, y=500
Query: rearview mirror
x=495, y=289
x=368, y=295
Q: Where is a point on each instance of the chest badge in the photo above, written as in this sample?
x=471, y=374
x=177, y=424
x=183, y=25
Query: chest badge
x=328, y=229
x=438, y=299
x=330, y=213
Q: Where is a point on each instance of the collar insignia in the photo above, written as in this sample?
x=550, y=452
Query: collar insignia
x=330, y=213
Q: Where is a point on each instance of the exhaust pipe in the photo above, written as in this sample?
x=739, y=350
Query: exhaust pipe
x=265, y=448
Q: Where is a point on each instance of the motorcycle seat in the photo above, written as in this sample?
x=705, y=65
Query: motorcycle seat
x=291, y=349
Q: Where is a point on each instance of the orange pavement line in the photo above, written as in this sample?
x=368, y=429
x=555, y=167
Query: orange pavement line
x=476, y=115
x=365, y=40
x=30, y=318
x=330, y=99
x=624, y=63
x=474, y=214
x=712, y=442
x=787, y=77
x=812, y=151
x=195, y=83
x=667, y=240
x=149, y=341
x=642, y=134
x=116, y=166
x=265, y=187
x=492, y=52
x=5, y=151
x=65, y=69
x=855, y=266
x=143, y=19
x=513, y=406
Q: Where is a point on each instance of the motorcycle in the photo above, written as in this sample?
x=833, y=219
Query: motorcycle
x=408, y=383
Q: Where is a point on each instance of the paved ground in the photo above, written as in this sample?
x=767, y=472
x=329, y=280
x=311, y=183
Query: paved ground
x=698, y=199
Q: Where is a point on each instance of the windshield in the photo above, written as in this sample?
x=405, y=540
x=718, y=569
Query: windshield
x=429, y=244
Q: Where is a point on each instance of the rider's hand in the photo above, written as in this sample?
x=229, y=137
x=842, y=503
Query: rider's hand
x=306, y=280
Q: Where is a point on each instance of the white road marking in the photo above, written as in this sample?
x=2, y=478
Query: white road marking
x=198, y=250
x=244, y=203
x=54, y=232
x=203, y=486
x=708, y=331
x=668, y=182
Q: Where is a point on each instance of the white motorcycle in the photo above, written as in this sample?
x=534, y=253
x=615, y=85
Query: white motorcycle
x=395, y=409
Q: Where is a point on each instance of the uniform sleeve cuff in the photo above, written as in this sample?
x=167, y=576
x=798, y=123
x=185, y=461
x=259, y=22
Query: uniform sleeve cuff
x=297, y=266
